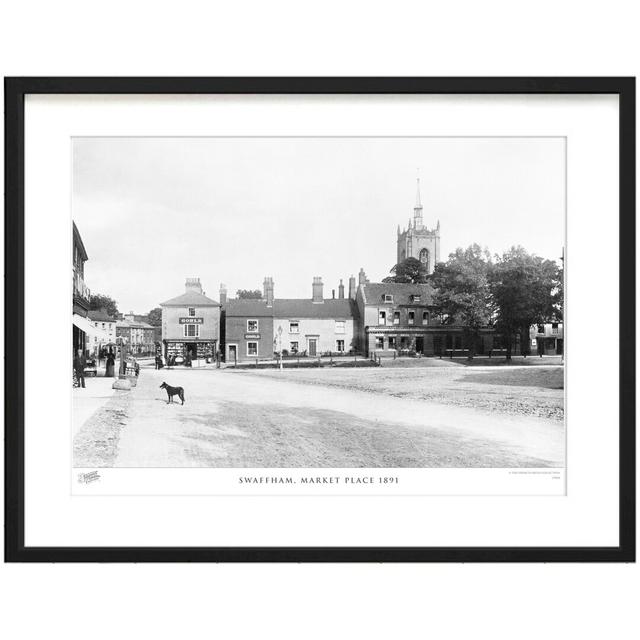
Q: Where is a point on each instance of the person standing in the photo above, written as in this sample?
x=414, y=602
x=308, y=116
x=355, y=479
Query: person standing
x=79, y=363
x=110, y=371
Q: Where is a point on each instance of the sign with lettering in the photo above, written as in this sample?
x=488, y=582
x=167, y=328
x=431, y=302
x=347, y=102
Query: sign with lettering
x=252, y=336
x=191, y=320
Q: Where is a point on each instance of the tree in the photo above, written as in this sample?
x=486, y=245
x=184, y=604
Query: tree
x=154, y=317
x=248, y=294
x=462, y=291
x=408, y=271
x=100, y=301
x=524, y=289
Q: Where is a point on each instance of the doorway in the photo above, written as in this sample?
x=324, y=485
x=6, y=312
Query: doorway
x=419, y=344
x=313, y=347
x=192, y=351
x=233, y=353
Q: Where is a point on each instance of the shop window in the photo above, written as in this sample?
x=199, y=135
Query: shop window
x=392, y=342
x=340, y=345
x=252, y=348
x=380, y=343
x=396, y=317
x=252, y=326
x=294, y=327
x=340, y=326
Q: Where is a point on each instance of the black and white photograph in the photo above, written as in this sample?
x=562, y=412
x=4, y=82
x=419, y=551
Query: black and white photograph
x=318, y=303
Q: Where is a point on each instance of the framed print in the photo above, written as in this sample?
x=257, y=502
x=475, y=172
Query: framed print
x=320, y=319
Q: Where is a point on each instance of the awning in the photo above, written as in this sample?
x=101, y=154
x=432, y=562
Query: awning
x=85, y=325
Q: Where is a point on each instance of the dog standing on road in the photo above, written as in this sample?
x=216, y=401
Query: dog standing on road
x=173, y=391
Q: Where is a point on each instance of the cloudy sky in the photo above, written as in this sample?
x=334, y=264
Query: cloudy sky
x=153, y=211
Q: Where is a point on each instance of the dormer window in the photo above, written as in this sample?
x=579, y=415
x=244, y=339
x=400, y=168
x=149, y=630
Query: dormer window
x=415, y=297
x=388, y=297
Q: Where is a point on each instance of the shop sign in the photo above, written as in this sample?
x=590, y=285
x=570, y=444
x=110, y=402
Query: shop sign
x=252, y=336
x=191, y=320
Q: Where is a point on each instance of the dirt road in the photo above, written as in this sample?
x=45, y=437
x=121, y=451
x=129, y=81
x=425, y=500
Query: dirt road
x=240, y=419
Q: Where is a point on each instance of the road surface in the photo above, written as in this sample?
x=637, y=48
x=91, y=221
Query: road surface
x=256, y=419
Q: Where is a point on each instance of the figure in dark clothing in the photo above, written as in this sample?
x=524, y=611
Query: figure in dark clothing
x=79, y=363
x=111, y=368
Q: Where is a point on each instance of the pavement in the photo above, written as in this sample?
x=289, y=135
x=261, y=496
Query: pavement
x=88, y=400
x=240, y=419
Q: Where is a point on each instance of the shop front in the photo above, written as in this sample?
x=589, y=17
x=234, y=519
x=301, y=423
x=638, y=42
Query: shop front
x=190, y=325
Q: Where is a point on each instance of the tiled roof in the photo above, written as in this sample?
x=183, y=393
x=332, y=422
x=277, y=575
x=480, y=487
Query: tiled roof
x=402, y=293
x=247, y=307
x=100, y=315
x=190, y=299
x=306, y=308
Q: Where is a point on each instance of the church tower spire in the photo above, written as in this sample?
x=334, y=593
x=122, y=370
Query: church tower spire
x=417, y=210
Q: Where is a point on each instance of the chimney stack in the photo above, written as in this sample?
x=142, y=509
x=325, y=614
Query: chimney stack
x=223, y=293
x=193, y=284
x=352, y=287
x=341, y=290
x=317, y=289
x=333, y=294
x=267, y=288
x=362, y=278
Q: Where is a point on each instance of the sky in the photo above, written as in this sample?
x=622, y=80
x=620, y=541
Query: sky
x=154, y=211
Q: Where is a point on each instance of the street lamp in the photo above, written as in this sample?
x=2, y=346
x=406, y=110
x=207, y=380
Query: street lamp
x=280, y=344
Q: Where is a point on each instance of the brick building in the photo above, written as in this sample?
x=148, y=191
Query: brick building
x=191, y=323
x=248, y=326
x=400, y=317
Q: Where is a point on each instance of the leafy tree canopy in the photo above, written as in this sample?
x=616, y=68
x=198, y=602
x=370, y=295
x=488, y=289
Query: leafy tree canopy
x=101, y=301
x=154, y=317
x=248, y=294
x=462, y=287
x=410, y=270
x=525, y=290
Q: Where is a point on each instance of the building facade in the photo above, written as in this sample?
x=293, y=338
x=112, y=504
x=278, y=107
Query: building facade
x=248, y=326
x=81, y=294
x=400, y=318
x=417, y=241
x=547, y=339
x=102, y=335
x=138, y=335
x=191, y=323
x=316, y=326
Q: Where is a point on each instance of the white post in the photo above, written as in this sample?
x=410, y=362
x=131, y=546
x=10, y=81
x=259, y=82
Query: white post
x=280, y=344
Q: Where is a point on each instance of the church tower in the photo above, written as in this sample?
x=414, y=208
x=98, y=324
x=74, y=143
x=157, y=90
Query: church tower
x=417, y=241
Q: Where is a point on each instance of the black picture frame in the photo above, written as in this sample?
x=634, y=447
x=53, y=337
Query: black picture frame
x=15, y=91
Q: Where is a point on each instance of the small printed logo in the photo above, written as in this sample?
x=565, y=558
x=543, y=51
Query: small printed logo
x=86, y=478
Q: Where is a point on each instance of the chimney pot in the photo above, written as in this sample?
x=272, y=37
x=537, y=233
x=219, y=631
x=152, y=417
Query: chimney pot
x=317, y=294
